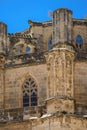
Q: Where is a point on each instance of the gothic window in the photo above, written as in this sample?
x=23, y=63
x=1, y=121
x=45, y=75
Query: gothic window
x=28, y=49
x=50, y=44
x=79, y=41
x=29, y=93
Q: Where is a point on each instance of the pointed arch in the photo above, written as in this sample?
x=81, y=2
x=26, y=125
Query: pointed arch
x=79, y=41
x=29, y=91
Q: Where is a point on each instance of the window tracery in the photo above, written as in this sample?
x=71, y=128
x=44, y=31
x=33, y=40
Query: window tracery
x=29, y=93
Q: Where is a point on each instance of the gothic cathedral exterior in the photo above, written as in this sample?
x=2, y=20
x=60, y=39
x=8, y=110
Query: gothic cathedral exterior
x=43, y=75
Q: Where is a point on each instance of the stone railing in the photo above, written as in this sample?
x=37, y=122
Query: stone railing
x=11, y=115
x=81, y=55
x=21, y=114
x=19, y=35
x=25, y=59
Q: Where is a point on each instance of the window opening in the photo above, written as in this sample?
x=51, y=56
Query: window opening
x=28, y=49
x=50, y=44
x=79, y=41
x=29, y=93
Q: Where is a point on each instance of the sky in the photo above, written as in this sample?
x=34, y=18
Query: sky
x=16, y=13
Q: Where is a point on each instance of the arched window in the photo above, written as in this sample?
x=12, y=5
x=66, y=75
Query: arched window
x=29, y=93
x=79, y=41
x=28, y=49
x=50, y=44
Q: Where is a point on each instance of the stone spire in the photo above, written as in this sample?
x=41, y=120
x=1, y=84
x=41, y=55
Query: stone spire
x=3, y=42
x=62, y=26
x=3, y=37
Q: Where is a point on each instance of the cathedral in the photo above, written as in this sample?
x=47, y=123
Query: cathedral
x=43, y=75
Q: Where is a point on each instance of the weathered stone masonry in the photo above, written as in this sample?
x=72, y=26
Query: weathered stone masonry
x=43, y=75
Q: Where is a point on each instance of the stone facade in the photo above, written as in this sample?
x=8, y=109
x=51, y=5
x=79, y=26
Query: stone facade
x=43, y=73
x=51, y=122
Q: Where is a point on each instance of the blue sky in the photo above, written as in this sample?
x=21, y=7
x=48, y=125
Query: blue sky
x=16, y=13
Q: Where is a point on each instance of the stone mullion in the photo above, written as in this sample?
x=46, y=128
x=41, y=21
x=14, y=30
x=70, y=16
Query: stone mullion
x=49, y=79
x=54, y=77
x=30, y=94
x=4, y=89
x=68, y=75
x=48, y=95
x=72, y=78
x=48, y=68
x=65, y=73
x=55, y=86
x=53, y=74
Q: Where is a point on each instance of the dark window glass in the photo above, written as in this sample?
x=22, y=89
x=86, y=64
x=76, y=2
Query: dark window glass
x=27, y=49
x=79, y=41
x=34, y=99
x=50, y=44
x=29, y=93
x=25, y=100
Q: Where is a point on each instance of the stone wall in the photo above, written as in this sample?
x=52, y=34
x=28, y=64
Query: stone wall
x=44, y=30
x=48, y=122
x=47, y=35
x=80, y=86
x=15, y=78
